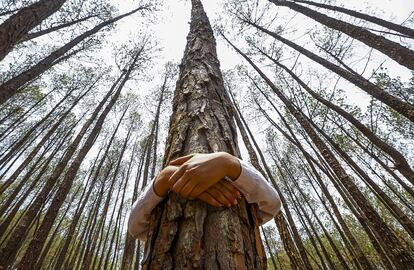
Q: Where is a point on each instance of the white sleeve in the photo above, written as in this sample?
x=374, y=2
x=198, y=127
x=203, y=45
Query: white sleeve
x=257, y=190
x=139, y=217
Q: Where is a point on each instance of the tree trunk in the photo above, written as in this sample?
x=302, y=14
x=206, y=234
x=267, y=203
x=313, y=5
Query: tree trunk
x=253, y=158
x=86, y=197
x=190, y=234
x=9, y=251
x=40, y=33
x=400, y=256
x=18, y=25
x=10, y=87
x=400, y=162
x=37, y=242
x=395, y=51
x=36, y=149
x=387, y=24
x=394, y=102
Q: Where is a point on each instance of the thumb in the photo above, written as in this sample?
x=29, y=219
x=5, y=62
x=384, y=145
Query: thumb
x=180, y=160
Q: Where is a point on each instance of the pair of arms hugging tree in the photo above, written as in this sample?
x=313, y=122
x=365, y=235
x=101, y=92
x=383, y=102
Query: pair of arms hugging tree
x=217, y=179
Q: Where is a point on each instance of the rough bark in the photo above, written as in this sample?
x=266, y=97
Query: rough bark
x=190, y=234
x=394, y=50
x=19, y=24
x=369, y=18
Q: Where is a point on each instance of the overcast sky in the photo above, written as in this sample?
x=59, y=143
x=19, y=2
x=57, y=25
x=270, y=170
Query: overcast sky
x=172, y=26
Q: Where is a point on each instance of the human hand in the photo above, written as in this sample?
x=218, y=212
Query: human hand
x=221, y=194
x=198, y=172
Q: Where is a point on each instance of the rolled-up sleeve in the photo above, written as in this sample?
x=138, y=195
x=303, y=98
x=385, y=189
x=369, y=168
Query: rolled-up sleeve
x=138, y=223
x=257, y=190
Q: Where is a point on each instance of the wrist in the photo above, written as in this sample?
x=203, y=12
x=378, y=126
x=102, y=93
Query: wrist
x=161, y=187
x=233, y=166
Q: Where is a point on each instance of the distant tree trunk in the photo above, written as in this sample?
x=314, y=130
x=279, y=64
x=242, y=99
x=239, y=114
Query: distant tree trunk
x=25, y=115
x=9, y=251
x=11, y=87
x=37, y=242
x=36, y=149
x=75, y=219
x=269, y=249
x=394, y=50
x=253, y=158
x=400, y=162
x=194, y=235
x=52, y=237
x=40, y=33
x=401, y=257
x=399, y=215
x=394, y=102
x=19, y=24
x=387, y=24
x=5, y=157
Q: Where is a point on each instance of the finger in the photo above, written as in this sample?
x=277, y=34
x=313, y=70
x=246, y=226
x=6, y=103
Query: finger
x=180, y=160
x=180, y=183
x=231, y=188
x=219, y=196
x=206, y=197
x=177, y=175
x=188, y=187
x=231, y=197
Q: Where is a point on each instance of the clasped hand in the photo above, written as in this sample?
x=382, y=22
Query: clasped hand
x=201, y=176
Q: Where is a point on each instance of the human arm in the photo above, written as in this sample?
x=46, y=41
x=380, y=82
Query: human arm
x=199, y=171
x=221, y=194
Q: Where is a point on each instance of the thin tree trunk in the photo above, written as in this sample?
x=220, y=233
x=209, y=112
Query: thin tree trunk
x=298, y=241
x=25, y=115
x=269, y=249
x=394, y=102
x=19, y=24
x=9, y=251
x=400, y=162
x=387, y=24
x=81, y=207
x=24, y=138
x=400, y=256
x=36, y=149
x=394, y=50
x=11, y=87
x=37, y=242
x=40, y=33
x=399, y=215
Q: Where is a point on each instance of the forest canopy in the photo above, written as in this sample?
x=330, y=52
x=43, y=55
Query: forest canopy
x=317, y=95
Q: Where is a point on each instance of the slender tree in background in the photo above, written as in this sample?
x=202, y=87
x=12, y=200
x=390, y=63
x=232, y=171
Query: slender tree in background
x=75, y=151
x=10, y=88
x=193, y=235
x=19, y=24
x=379, y=21
x=399, y=53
